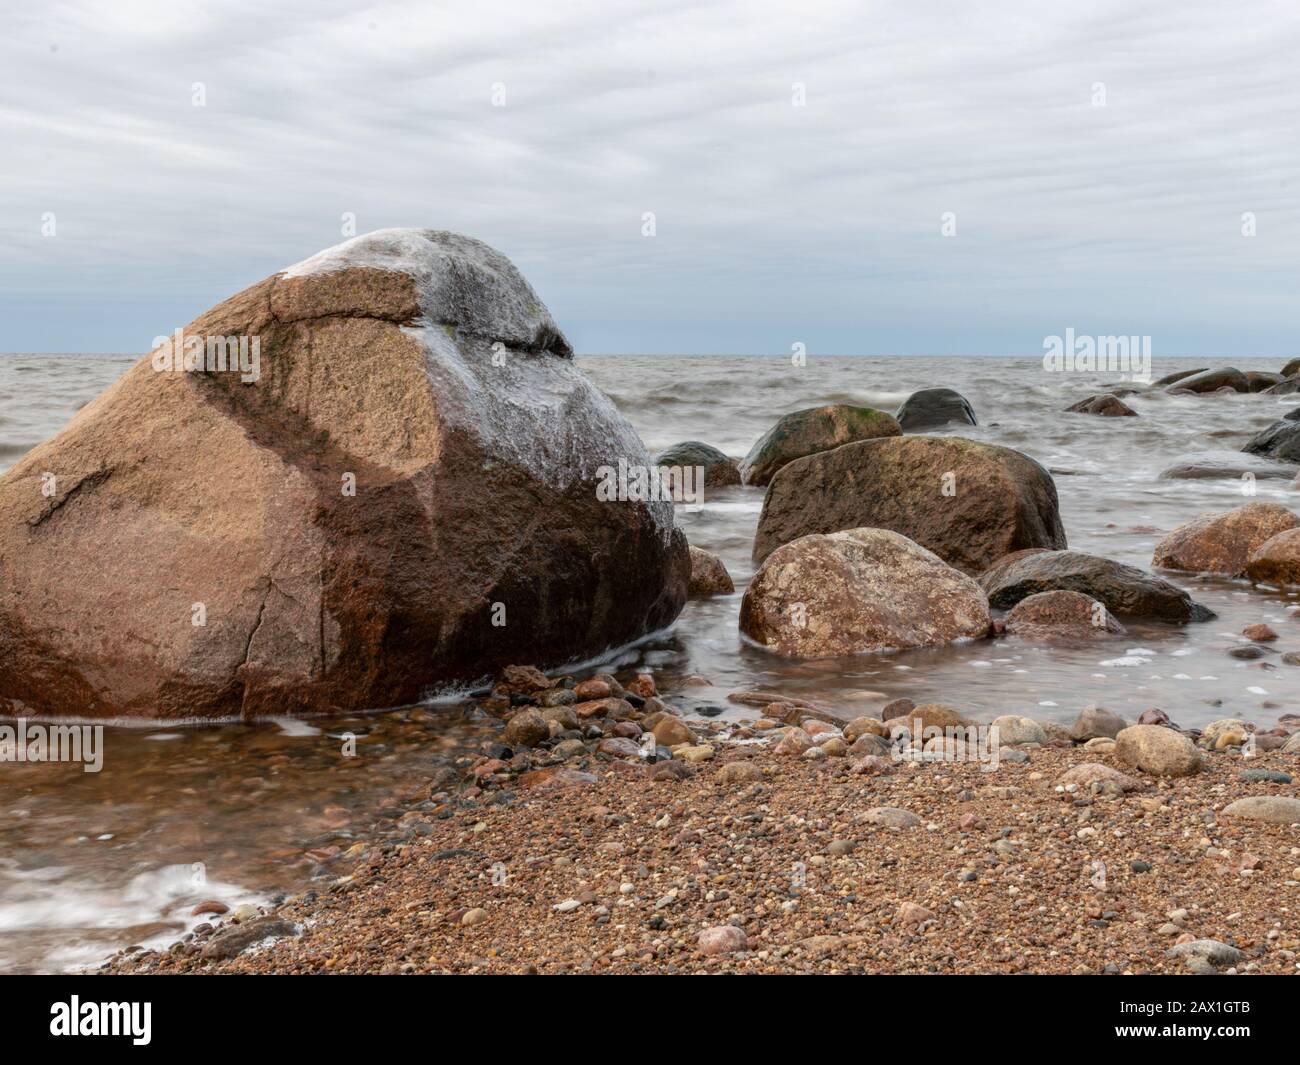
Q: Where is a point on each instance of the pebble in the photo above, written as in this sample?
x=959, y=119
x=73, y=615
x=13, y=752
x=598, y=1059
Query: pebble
x=722, y=939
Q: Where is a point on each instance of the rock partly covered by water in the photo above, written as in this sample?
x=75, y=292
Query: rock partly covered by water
x=1062, y=616
x=1223, y=542
x=933, y=408
x=1280, y=441
x=856, y=591
x=969, y=503
x=1213, y=380
x=1125, y=590
x=708, y=575
x=1107, y=405
x=719, y=470
x=806, y=432
x=1276, y=560
x=405, y=496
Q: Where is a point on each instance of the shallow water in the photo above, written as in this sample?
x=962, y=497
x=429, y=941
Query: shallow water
x=92, y=862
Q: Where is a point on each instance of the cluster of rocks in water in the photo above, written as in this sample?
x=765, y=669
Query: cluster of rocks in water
x=1225, y=380
x=1278, y=444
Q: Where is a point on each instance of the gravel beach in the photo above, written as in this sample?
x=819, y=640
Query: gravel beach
x=745, y=853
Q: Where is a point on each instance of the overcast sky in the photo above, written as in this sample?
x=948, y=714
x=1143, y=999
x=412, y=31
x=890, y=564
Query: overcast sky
x=775, y=223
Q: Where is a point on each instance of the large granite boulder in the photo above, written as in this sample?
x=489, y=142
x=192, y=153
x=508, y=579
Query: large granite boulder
x=1125, y=590
x=933, y=408
x=1222, y=543
x=1291, y=368
x=856, y=591
x=969, y=503
x=407, y=496
x=1280, y=441
x=806, y=432
x=719, y=470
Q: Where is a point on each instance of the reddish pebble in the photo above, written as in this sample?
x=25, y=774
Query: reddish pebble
x=1259, y=632
x=209, y=906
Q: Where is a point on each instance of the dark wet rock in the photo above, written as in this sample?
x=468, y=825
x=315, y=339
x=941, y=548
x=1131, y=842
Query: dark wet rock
x=1261, y=380
x=1107, y=405
x=970, y=503
x=1061, y=616
x=1213, y=380
x=1177, y=376
x=1209, y=471
x=807, y=432
x=719, y=470
x=1280, y=441
x=933, y=408
x=856, y=591
x=1291, y=368
x=1288, y=386
x=709, y=576
x=1223, y=542
x=1126, y=590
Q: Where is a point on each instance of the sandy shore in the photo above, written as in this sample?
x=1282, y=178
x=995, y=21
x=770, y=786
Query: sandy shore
x=595, y=865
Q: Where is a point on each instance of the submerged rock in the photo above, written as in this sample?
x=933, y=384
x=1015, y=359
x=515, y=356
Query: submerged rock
x=806, y=432
x=1223, y=542
x=404, y=497
x=856, y=591
x=1213, y=380
x=1107, y=405
x=969, y=503
x=1280, y=441
x=1127, y=591
x=933, y=408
